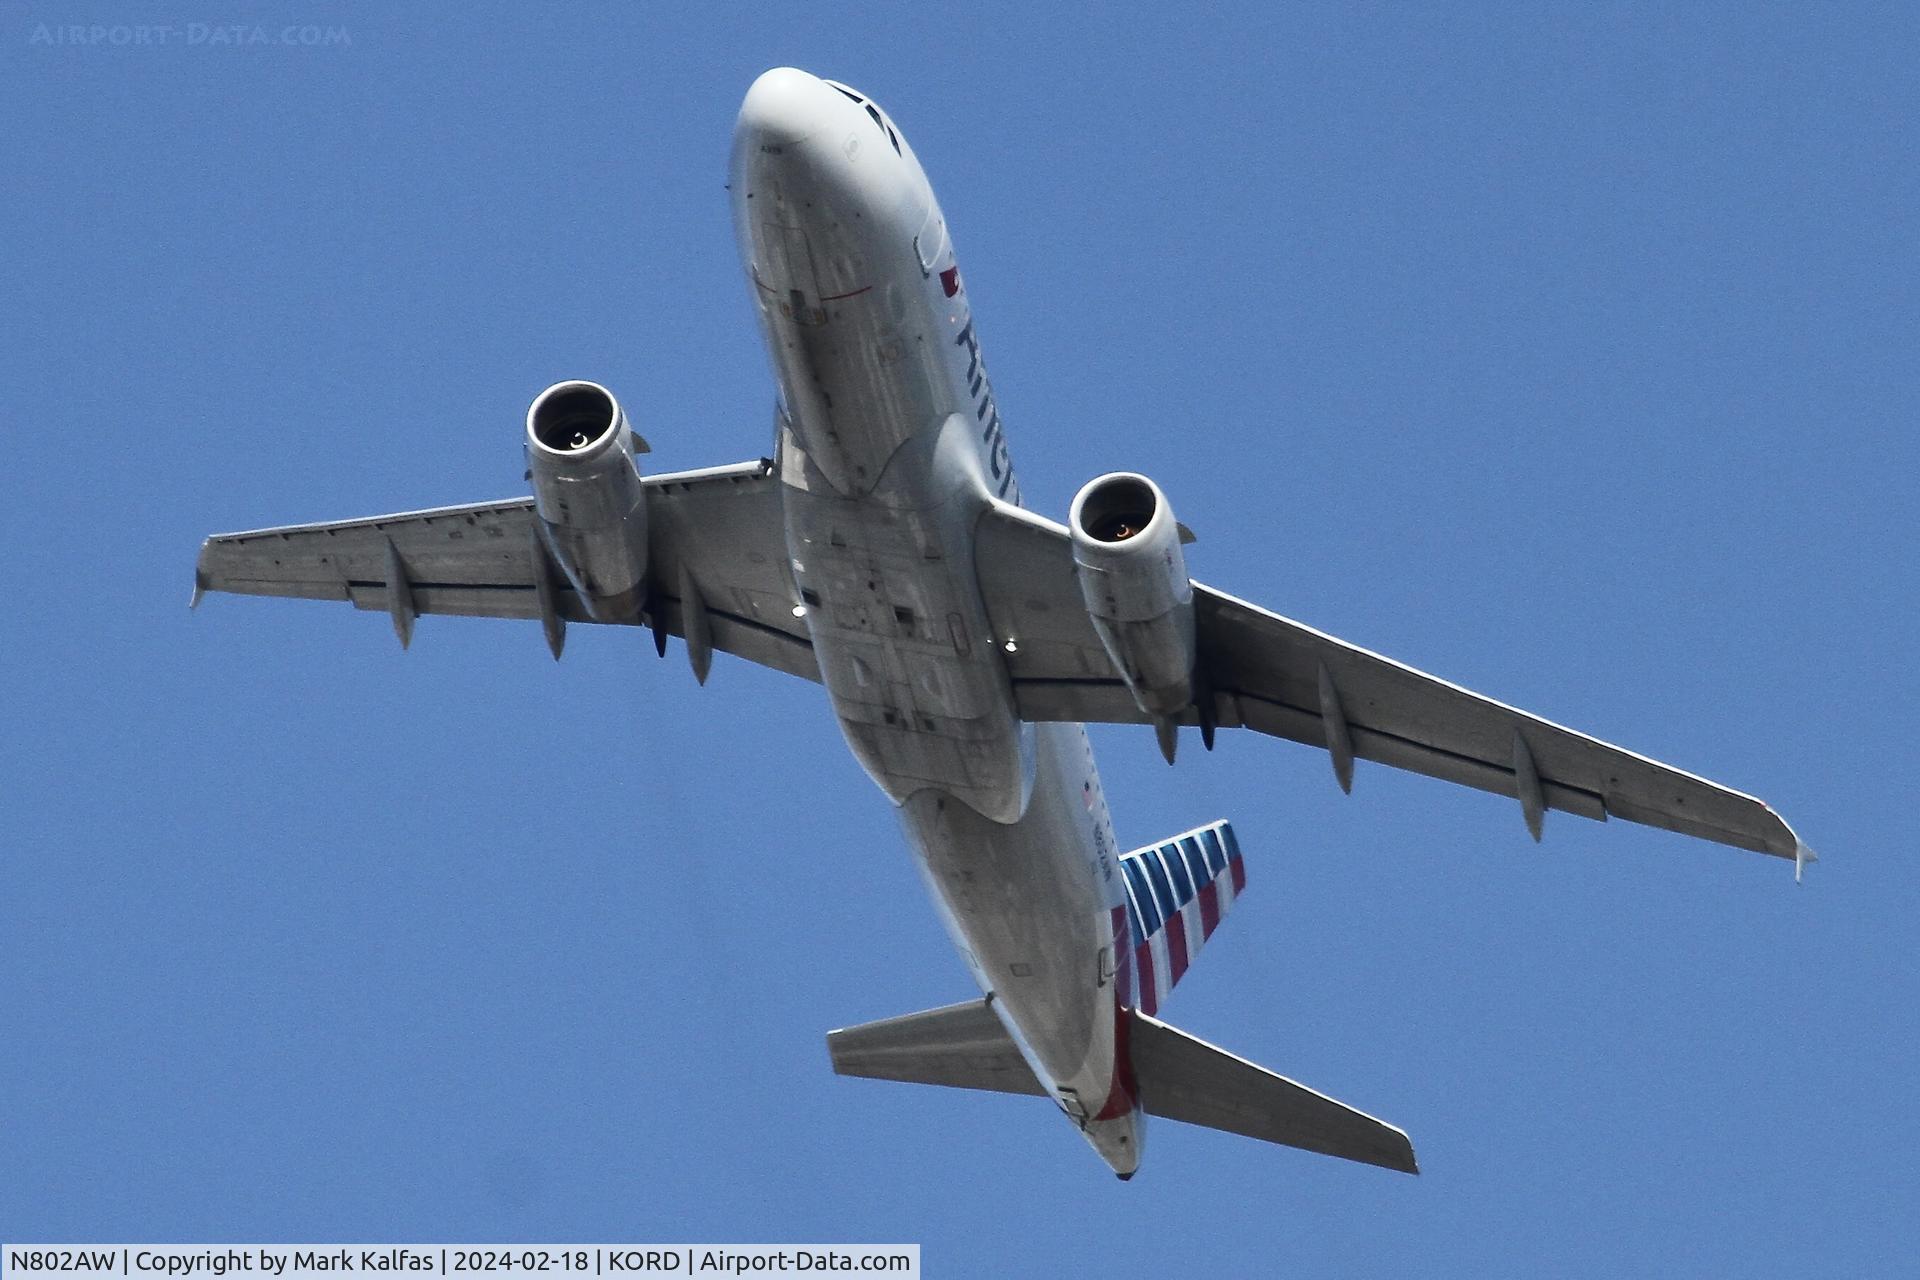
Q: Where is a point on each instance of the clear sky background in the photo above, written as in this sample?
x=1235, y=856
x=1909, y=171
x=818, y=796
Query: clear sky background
x=1568, y=352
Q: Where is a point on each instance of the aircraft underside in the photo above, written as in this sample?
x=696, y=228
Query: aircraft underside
x=882, y=551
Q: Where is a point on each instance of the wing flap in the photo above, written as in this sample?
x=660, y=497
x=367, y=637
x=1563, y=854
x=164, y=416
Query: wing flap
x=464, y=599
x=1279, y=720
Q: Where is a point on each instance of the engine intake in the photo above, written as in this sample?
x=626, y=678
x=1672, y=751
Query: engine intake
x=571, y=417
x=581, y=458
x=1133, y=576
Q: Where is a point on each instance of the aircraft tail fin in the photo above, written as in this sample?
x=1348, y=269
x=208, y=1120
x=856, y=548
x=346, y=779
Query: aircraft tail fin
x=1178, y=1076
x=1178, y=892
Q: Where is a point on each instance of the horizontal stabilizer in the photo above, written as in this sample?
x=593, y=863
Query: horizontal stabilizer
x=962, y=1046
x=1186, y=1079
x=1179, y=1077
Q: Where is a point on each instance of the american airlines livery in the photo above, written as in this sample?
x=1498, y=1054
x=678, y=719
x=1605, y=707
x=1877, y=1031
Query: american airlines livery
x=883, y=552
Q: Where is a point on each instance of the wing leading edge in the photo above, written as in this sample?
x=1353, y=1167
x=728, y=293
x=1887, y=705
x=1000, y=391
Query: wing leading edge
x=1282, y=678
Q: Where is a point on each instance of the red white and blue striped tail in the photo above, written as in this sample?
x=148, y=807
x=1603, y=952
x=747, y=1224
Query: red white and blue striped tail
x=1178, y=892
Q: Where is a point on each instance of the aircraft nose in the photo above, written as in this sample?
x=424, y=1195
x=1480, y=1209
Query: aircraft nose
x=784, y=106
x=817, y=188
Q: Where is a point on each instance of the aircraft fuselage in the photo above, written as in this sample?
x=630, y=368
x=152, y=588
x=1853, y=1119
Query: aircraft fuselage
x=890, y=446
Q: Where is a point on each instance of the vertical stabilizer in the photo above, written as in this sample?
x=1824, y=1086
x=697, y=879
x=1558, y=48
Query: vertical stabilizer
x=1178, y=891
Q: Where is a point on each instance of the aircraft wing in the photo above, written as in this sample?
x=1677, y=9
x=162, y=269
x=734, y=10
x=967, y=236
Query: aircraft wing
x=1285, y=679
x=719, y=529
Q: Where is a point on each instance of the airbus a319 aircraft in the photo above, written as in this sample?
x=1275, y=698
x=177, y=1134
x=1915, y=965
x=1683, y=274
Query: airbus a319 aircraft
x=963, y=641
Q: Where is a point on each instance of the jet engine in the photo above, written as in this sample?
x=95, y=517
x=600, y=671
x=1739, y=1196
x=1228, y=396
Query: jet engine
x=1126, y=551
x=581, y=458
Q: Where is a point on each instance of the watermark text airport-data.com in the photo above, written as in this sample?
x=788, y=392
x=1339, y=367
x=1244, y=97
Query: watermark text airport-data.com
x=187, y=35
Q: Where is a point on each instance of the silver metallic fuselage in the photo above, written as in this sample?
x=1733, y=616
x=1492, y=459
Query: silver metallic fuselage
x=890, y=446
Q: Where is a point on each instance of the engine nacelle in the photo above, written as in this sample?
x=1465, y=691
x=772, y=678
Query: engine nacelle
x=587, y=490
x=1126, y=550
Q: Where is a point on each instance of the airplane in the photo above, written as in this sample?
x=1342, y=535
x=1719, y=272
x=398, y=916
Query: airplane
x=963, y=641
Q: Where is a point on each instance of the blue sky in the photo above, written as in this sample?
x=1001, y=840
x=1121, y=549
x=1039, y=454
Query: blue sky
x=1564, y=351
